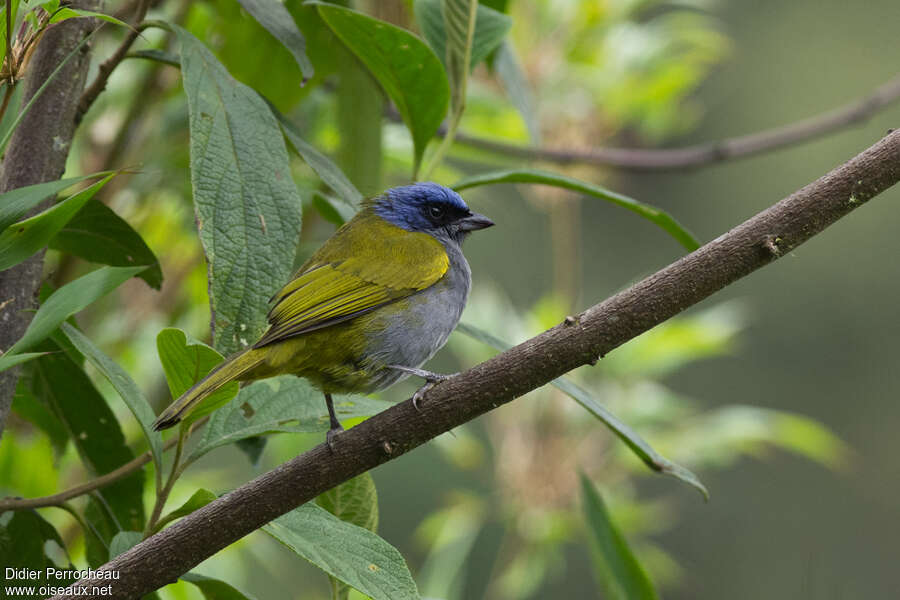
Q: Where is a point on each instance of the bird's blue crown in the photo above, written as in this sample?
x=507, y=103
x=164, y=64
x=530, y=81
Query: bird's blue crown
x=407, y=206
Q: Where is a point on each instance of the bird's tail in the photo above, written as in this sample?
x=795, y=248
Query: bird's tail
x=228, y=371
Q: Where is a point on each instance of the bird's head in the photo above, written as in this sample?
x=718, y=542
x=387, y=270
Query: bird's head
x=430, y=208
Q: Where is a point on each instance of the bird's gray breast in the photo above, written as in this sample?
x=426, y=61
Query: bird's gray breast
x=410, y=337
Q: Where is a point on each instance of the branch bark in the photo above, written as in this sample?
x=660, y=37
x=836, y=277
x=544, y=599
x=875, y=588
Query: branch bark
x=577, y=341
x=37, y=153
x=701, y=155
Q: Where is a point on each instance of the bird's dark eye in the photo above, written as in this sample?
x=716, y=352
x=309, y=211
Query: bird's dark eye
x=436, y=212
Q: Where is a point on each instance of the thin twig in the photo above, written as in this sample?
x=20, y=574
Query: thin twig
x=699, y=155
x=109, y=65
x=576, y=342
x=89, y=486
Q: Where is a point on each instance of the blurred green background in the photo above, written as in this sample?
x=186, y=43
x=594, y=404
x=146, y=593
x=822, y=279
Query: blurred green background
x=493, y=512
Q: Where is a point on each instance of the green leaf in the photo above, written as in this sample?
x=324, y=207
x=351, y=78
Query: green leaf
x=198, y=500
x=167, y=58
x=18, y=359
x=99, y=235
x=21, y=240
x=490, y=29
x=25, y=538
x=327, y=171
x=248, y=208
x=15, y=203
x=214, y=589
x=460, y=17
x=272, y=15
x=124, y=540
x=73, y=13
x=509, y=71
x=654, y=215
x=279, y=404
x=619, y=571
x=66, y=301
x=62, y=385
x=635, y=442
x=354, y=501
x=332, y=210
x=408, y=70
x=187, y=361
x=28, y=407
x=124, y=385
x=349, y=553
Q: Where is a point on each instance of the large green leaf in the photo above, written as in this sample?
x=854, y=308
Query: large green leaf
x=64, y=302
x=99, y=235
x=349, y=553
x=187, y=361
x=248, y=209
x=124, y=385
x=272, y=15
x=660, y=218
x=15, y=203
x=21, y=240
x=63, y=386
x=354, y=501
x=280, y=404
x=635, y=442
x=28, y=407
x=25, y=539
x=408, y=70
x=619, y=572
x=490, y=29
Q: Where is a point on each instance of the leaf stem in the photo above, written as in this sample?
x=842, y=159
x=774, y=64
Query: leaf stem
x=163, y=494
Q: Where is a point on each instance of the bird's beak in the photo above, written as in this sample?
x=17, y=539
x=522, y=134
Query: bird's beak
x=474, y=222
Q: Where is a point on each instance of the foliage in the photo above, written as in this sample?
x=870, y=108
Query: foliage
x=88, y=387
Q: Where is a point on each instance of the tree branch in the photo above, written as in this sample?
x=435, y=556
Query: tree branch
x=37, y=153
x=577, y=341
x=701, y=155
x=109, y=65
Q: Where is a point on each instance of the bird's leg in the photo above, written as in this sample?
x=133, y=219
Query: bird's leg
x=431, y=380
x=336, y=427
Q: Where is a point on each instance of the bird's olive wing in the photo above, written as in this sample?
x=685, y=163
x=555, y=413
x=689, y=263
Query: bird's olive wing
x=368, y=263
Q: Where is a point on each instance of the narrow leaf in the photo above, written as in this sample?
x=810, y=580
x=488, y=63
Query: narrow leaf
x=349, y=553
x=408, y=70
x=654, y=215
x=324, y=167
x=490, y=29
x=66, y=301
x=247, y=206
x=15, y=203
x=272, y=15
x=21, y=240
x=187, y=361
x=280, y=404
x=509, y=71
x=124, y=385
x=214, y=589
x=198, y=500
x=73, y=13
x=99, y=235
x=635, y=442
x=620, y=573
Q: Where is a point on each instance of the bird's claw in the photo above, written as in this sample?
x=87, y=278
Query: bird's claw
x=331, y=436
x=431, y=380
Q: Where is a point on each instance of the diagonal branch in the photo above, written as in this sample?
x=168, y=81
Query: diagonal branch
x=701, y=155
x=577, y=341
x=109, y=65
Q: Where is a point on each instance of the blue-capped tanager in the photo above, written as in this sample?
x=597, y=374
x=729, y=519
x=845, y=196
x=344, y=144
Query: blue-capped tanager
x=369, y=307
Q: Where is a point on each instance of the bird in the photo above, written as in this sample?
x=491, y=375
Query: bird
x=377, y=300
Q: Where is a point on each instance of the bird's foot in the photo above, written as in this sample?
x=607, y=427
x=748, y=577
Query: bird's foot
x=431, y=380
x=332, y=435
